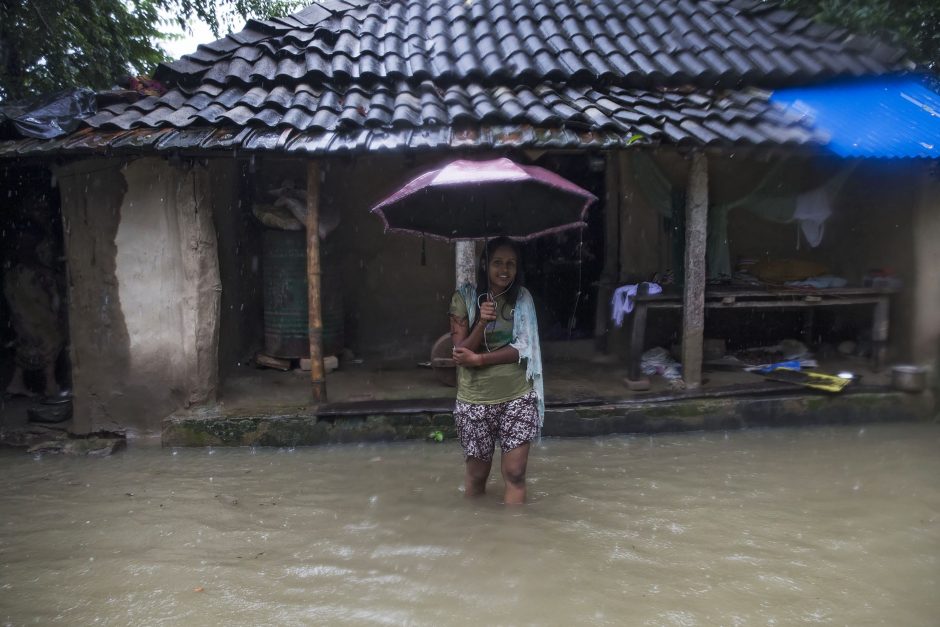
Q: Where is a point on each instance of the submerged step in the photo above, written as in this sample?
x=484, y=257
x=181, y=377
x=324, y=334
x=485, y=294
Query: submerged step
x=411, y=420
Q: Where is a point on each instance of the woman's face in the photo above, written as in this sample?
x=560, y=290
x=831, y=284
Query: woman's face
x=502, y=270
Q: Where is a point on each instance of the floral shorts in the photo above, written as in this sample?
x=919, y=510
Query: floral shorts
x=513, y=423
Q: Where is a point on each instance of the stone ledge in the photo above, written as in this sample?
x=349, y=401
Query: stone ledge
x=739, y=412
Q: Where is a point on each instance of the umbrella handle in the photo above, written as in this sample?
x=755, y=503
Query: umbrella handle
x=492, y=324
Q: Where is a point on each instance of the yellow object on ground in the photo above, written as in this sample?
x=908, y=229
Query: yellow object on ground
x=815, y=380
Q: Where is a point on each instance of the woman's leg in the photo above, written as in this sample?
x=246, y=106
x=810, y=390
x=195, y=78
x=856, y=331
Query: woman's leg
x=478, y=471
x=513, y=464
x=518, y=426
x=478, y=439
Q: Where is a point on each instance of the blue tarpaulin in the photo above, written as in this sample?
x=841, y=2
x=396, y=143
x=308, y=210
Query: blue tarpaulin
x=884, y=116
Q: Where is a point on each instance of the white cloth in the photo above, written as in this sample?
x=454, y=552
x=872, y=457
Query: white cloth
x=622, y=301
x=813, y=208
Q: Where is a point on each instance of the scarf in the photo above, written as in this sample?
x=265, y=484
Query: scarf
x=525, y=338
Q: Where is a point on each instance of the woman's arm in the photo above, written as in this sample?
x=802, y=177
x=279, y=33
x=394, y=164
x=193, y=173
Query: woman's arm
x=463, y=336
x=504, y=355
x=466, y=344
x=471, y=339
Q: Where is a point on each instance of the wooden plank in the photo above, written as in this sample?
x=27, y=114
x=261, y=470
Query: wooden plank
x=766, y=304
x=315, y=313
x=693, y=310
x=710, y=293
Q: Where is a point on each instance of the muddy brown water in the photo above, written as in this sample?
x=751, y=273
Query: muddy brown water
x=767, y=527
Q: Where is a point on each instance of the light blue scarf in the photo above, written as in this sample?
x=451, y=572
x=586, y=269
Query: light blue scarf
x=525, y=330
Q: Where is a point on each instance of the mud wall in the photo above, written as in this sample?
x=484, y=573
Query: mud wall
x=143, y=288
x=645, y=242
x=395, y=306
x=926, y=284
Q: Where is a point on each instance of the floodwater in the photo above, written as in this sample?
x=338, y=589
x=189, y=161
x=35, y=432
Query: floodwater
x=766, y=527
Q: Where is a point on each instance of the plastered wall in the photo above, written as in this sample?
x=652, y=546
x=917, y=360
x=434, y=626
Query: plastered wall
x=144, y=291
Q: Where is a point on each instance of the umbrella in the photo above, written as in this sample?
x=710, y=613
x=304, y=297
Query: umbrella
x=480, y=199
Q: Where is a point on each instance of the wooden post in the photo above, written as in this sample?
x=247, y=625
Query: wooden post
x=636, y=380
x=879, y=334
x=610, y=272
x=465, y=263
x=693, y=302
x=315, y=314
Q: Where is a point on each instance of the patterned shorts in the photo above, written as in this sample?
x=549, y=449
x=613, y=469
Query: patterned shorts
x=513, y=423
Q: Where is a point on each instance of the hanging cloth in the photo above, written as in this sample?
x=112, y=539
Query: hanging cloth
x=770, y=199
x=621, y=303
x=652, y=183
x=811, y=209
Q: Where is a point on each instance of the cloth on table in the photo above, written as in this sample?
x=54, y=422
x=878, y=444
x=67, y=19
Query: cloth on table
x=819, y=282
x=622, y=300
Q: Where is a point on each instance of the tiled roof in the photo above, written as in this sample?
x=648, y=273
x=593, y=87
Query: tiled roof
x=324, y=120
x=360, y=75
x=631, y=43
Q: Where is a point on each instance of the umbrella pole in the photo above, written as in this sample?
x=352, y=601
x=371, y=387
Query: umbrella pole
x=486, y=253
x=315, y=314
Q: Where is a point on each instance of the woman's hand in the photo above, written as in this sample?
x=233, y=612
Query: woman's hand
x=488, y=311
x=467, y=358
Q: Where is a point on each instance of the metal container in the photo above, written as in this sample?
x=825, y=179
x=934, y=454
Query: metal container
x=909, y=378
x=284, y=262
x=285, y=296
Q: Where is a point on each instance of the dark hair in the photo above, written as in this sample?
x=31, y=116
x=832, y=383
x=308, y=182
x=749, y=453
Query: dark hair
x=483, y=279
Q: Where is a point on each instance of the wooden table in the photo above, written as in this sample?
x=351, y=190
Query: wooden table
x=761, y=298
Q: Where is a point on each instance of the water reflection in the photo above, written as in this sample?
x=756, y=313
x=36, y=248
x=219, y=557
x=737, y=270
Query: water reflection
x=768, y=527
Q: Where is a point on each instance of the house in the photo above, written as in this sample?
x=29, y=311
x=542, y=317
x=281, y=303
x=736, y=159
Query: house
x=663, y=108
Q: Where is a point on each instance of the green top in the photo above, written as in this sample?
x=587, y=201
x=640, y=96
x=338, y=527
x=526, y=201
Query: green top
x=491, y=384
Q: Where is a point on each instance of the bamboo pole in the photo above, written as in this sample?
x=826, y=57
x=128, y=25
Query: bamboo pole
x=315, y=314
x=693, y=309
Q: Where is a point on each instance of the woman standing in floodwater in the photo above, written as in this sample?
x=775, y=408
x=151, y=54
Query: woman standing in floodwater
x=499, y=370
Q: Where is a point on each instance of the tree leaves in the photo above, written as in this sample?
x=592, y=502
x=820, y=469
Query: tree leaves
x=47, y=45
x=910, y=24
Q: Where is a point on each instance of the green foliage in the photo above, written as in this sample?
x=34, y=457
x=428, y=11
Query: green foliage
x=910, y=24
x=218, y=14
x=46, y=45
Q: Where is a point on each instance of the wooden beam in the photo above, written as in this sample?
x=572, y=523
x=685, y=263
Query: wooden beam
x=315, y=313
x=693, y=310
